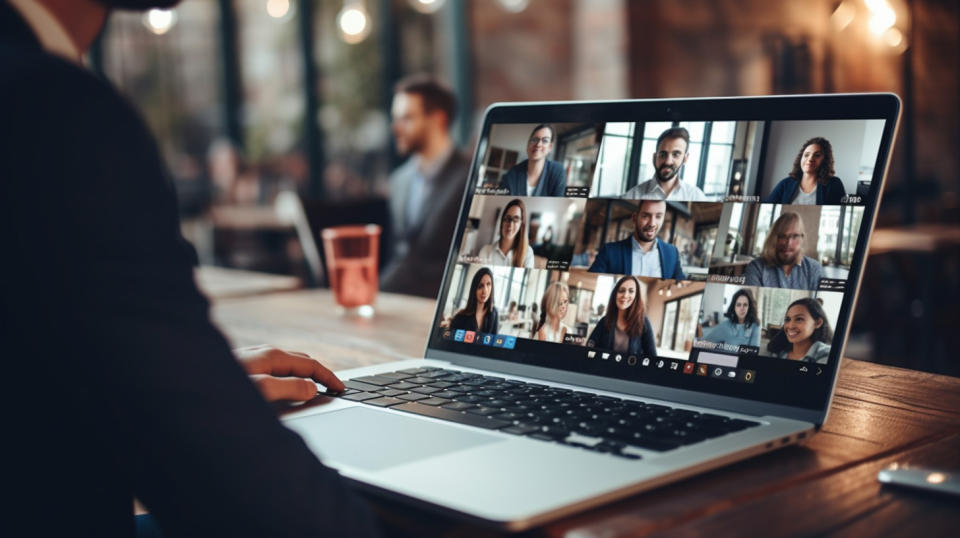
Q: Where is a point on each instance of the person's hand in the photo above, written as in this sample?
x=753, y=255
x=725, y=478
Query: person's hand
x=285, y=375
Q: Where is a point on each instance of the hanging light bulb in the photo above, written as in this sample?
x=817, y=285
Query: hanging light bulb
x=669, y=292
x=427, y=6
x=354, y=22
x=279, y=9
x=160, y=21
x=514, y=6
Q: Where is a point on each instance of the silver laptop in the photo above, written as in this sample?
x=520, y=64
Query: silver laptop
x=636, y=292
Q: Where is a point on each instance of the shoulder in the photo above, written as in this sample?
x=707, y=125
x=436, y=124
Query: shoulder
x=811, y=263
x=666, y=247
x=555, y=167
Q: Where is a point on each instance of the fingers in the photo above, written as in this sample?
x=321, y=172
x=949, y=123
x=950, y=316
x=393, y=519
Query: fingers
x=290, y=389
x=280, y=363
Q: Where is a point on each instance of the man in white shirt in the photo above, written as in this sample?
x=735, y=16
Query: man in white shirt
x=673, y=147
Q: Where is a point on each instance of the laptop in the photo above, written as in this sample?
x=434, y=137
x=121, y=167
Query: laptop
x=636, y=292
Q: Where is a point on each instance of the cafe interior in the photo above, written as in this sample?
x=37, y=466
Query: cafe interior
x=260, y=104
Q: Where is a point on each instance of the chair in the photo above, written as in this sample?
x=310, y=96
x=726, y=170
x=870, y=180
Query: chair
x=309, y=217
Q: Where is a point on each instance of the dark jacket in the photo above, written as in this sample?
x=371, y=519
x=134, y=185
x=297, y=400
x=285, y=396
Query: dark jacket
x=553, y=180
x=421, y=250
x=125, y=388
x=644, y=345
x=829, y=193
x=468, y=322
x=617, y=258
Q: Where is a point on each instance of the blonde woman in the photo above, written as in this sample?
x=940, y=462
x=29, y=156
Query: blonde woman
x=553, y=309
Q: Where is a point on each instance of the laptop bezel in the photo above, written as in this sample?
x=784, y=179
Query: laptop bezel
x=886, y=106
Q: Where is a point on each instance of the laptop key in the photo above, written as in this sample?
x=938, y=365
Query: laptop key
x=412, y=396
x=414, y=371
x=445, y=394
x=452, y=416
x=396, y=375
x=434, y=401
x=392, y=392
x=441, y=384
x=458, y=406
x=385, y=401
x=484, y=411
x=518, y=429
x=362, y=387
x=360, y=396
x=403, y=386
x=375, y=380
x=426, y=390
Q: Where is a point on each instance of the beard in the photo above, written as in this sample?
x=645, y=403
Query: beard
x=671, y=172
x=138, y=5
x=646, y=234
x=784, y=257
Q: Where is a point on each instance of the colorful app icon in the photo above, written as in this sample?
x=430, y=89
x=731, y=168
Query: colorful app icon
x=688, y=367
x=510, y=342
x=488, y=339
x=591, y=354
x=646, y=361
x=702, y=369
x=498, y=341
x=458, y=336
x=469, y=337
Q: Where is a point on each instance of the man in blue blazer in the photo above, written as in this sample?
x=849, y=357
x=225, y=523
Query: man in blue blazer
x=537, y=176
x=643, y=253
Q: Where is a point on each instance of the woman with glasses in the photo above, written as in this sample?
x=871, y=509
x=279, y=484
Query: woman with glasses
x=811, y=182
x=625, y=327
x=782, y=263
x=550, y=327
x=511, y=247
x=537, y=176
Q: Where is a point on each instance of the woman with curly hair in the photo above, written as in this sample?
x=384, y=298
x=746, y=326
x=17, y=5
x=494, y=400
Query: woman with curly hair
x=812, y=180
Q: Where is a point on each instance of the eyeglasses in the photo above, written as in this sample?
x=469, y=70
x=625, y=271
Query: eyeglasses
x=536, y=140
x=789, y=237
x=512, y=220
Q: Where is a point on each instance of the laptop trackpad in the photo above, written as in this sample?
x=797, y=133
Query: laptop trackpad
x=371, y=439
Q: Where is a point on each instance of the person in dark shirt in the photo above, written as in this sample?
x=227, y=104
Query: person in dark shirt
x=538, y=175
x=132, y=392
x=479, y=315
x=625, y=327
x=812, y=180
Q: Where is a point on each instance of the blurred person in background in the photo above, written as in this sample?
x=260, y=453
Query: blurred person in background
x=141, y=395
x=426, y=189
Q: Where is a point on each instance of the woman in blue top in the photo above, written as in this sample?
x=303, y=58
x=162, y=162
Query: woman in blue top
x=811, y=181
x=625, y=327
x=741, y=326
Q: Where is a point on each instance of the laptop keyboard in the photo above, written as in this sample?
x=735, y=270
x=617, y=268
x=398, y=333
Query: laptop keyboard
x=582, y=419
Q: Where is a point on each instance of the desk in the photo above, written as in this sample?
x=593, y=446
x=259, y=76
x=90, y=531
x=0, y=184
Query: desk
x=880, y=415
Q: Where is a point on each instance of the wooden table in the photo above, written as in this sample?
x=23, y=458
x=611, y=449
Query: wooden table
x=221, y=283
x=880, y=415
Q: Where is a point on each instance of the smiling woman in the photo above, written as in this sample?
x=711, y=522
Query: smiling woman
x=537, y=176
x=512, y=246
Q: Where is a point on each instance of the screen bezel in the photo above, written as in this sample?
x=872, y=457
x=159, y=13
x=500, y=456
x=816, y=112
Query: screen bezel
x=883, y=106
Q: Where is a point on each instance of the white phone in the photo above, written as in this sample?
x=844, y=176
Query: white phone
x=924, y=478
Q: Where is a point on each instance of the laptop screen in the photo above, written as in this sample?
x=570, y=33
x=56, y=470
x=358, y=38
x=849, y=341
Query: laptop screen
x=711, y=245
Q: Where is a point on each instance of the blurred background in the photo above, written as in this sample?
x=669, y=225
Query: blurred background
x=253, y=98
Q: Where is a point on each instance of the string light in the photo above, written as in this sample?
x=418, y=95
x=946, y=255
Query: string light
x=278, y=9
x=354, y=22
x=514, y=6
x=427, y=6
x=160, y=21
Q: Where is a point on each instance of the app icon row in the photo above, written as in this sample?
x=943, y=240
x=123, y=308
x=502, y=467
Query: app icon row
x=675, y=365
x=484, y=339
